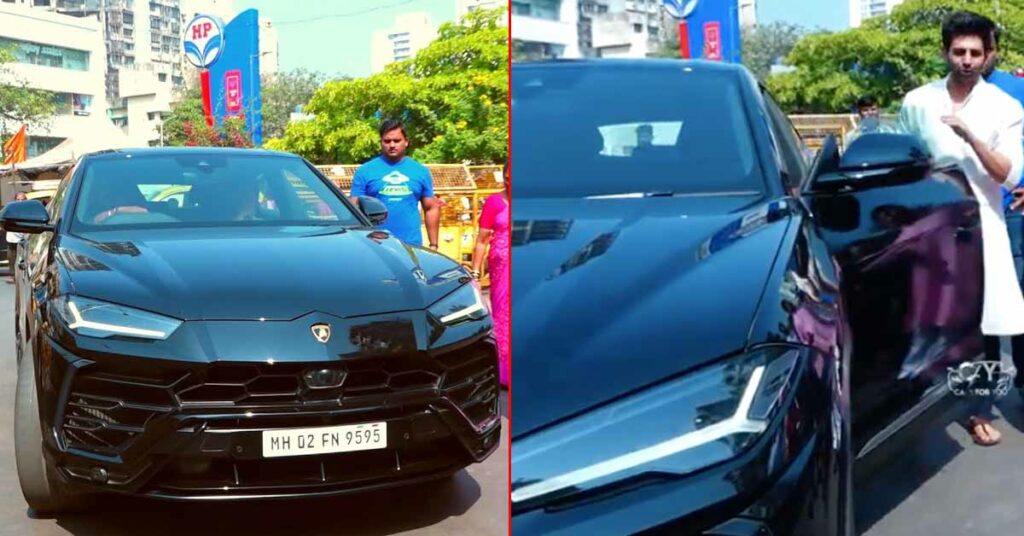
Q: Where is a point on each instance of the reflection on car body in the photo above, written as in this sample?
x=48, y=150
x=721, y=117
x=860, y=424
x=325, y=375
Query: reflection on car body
x=731, y=326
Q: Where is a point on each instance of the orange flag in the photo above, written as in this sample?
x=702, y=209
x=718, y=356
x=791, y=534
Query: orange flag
x=16, y=148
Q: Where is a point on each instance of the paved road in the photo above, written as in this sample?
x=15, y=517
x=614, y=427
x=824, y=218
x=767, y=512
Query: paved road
x=475, y=502
x=942, y=483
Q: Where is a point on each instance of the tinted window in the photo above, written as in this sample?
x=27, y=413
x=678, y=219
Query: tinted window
x=204, y=189
x=792, y=147
x=590, y=130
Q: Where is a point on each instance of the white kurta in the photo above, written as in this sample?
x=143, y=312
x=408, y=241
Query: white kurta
x=998, y=119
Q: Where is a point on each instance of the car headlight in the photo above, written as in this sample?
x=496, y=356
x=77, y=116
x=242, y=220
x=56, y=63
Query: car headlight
x=466, y=303
x=676, y=428
x=94, y=318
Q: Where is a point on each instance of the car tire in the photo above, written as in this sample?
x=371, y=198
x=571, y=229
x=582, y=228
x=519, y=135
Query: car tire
x=43, y=493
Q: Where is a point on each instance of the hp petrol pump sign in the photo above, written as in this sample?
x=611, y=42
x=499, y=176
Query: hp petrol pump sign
x=204, y=41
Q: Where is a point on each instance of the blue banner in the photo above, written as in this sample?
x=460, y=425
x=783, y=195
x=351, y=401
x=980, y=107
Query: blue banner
x=713, y=27
x=235, y=75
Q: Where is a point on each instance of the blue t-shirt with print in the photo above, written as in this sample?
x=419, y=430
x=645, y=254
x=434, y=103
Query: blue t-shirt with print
x=400, y=187
x=1014, y=87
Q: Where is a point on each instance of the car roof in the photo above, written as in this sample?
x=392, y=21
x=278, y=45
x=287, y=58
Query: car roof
x=174, y=151
x=647, y=63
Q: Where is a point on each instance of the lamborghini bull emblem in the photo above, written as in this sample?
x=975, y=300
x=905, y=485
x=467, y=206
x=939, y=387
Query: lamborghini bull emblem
x=322, y=332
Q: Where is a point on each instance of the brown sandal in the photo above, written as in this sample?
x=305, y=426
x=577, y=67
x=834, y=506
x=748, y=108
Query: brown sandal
x=978, y=426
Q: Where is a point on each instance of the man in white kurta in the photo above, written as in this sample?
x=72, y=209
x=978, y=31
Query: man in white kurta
x=969, y=122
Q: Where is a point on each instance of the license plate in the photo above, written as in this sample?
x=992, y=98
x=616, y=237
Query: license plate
x=325, y=439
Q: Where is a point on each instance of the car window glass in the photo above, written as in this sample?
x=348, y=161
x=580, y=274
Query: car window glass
x=53, y=208
x=794, y=152
x=205, y=189
x=681, y=131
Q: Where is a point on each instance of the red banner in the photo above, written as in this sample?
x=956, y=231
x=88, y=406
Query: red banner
x=204, y=82
x=233, y=90
x=713, y=41
x=684, y=41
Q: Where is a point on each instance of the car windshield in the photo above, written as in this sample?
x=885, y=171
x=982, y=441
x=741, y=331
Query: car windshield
x=593, y=130
x=204, y=189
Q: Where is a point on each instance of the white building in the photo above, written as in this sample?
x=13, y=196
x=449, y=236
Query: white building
x=620, y=28
x=865, y=9
x=748, y=12
x=57, y=53
x=546, y=28
x=411, y=33
x=463, y=7
x=143, y=42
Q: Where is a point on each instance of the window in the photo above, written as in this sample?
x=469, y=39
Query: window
x=404, y=42
x=205, y=189
x=81, y=104
x=39, y=3
x=162, y=77
x=602, y=9
x=398, y=35
x=129, y=18
x=38, y=145
x=402, y=51
x=521, y=8
x=48, y=55
x=678, y=132
x=638, y=28
x=153, y=115
x=795, y=162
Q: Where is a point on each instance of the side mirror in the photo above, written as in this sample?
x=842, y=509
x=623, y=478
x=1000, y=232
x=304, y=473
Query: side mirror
x=25, y=217
x=877, y=159
x=372, y=207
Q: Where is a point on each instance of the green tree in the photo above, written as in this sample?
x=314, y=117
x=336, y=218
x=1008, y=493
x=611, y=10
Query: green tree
x=186, y=126
x=886, y=57
x=762, y=45
x=452, y=97
x=19, y=104
x=765, y=44
x=282, y=93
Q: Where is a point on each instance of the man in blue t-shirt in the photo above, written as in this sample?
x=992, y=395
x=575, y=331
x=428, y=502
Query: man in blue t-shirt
x=1013, y=87
x=402, y=184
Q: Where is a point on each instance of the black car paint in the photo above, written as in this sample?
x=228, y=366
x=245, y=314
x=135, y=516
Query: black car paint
x=816, y=271
x=248, y=297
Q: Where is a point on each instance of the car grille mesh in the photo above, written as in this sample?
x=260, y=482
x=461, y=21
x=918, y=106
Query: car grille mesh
x=109, y=407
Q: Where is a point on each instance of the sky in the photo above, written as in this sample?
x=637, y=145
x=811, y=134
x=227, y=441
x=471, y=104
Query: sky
x=333, y=36
x=811, y=14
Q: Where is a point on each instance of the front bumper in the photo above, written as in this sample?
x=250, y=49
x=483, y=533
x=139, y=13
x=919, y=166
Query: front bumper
x=185, y=430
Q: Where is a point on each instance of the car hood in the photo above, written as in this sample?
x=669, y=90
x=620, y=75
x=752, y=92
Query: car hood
x=276, y=273
x=614, y=295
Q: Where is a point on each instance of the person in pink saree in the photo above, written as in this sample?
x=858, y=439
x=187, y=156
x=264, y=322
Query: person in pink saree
x=493, y=238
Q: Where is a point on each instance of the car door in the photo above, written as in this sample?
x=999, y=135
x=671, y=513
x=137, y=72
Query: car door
x=909, y=250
